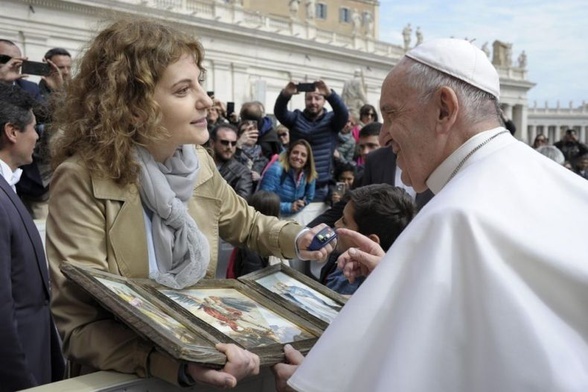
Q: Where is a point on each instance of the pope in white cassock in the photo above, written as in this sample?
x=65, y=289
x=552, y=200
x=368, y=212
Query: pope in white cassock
x=487, y=288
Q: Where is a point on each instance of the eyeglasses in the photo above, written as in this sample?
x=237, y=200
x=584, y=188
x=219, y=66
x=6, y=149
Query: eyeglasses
x=228, y=143
x=370, y=114
x=282, y=134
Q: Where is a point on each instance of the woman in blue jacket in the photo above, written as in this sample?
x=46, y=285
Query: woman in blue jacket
x=292, y=177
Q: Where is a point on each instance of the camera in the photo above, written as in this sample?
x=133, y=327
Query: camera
x=306, y=87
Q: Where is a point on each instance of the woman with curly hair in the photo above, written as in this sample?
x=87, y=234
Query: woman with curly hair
x=134, y=194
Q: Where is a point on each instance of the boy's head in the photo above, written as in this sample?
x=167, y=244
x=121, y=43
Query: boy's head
x=345, y=172
x=378, y=211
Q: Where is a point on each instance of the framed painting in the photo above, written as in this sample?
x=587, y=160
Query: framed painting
x=149, y=317
x=297, y=292
x=232, y=312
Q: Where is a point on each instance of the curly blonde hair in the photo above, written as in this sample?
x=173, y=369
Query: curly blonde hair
x=108, y=107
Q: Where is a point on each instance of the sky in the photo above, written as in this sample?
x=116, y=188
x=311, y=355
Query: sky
x=553, y=34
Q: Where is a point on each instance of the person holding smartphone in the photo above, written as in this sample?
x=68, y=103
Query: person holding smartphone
x=134, y=193
x=11, y=60
x=60, y=74
x=314, y=124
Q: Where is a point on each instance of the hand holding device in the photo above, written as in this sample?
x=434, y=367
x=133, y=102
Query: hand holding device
x=10, y=68
x=322, y=238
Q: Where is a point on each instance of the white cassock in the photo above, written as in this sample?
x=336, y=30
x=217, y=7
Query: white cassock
x=486, y=290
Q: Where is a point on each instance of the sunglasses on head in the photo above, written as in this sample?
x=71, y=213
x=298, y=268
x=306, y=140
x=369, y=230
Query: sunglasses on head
x=228, y=143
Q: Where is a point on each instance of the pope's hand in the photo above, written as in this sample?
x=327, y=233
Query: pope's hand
x=361, y=258
x=283, y=371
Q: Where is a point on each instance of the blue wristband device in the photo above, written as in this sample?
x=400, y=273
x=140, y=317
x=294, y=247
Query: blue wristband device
x=322, y=238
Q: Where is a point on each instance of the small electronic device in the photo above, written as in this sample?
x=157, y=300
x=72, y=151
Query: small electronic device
x=305, y=87
x=230, y=108
x=322, y=238
x=35, y=68
x=341, y=188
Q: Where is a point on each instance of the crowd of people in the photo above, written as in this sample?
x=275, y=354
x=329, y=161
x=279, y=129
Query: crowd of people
x=139, y=171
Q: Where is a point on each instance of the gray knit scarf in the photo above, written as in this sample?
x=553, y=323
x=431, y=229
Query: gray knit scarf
x=181, y=250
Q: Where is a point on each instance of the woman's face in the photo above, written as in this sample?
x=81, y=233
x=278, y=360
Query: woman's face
x=183, y=103
x=368, y=117
x=298, y=157
x=212, y=114
x=540, y=140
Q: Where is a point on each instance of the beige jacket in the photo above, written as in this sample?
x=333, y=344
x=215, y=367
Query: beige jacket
x=97, y=223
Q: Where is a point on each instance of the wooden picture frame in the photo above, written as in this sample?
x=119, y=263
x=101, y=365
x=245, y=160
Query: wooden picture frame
x=297, y=292
x=146, y=315
x=188, y=323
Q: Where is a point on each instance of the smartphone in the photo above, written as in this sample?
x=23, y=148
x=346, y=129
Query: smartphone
x=35, y=68
x=305, y=87
x=210, y=94
x=341, y=188
x=322, y=238
x=230, y=108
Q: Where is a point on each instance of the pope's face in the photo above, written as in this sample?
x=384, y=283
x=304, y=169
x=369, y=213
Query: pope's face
x=407, y=128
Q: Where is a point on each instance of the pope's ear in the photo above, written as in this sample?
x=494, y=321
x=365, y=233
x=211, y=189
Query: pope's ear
x=447, y=107
x=375, y=238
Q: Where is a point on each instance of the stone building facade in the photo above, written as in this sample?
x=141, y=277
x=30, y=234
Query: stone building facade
x=253, y=47
x=554, y=121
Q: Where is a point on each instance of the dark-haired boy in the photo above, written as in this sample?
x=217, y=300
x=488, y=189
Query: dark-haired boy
x=380, y=212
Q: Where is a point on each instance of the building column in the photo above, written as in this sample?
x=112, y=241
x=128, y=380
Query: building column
x=532, y=131
x=218, y=79
x=507, y=110
x=519, y=117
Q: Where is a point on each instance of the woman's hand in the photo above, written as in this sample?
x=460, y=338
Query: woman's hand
x=298, y=205
x=240, y=364
x=305, y=240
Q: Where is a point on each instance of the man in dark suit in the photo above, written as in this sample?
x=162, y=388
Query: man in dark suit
x=30, y=353
x=380, y=168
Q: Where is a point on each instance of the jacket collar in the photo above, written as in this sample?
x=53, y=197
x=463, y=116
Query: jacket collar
x=127, y=232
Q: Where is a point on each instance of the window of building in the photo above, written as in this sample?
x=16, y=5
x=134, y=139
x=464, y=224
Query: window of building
x=344, y=15
x=321, y=11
